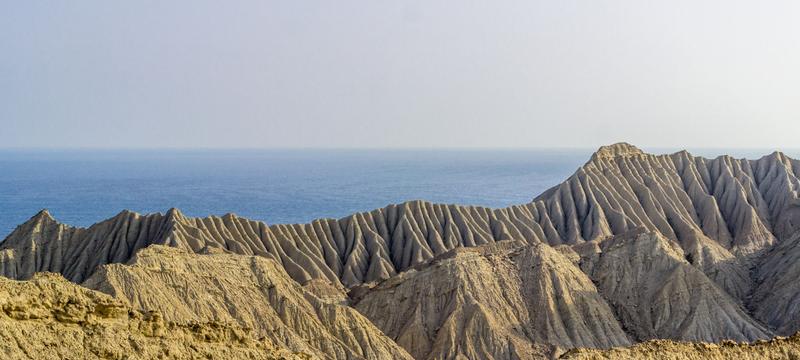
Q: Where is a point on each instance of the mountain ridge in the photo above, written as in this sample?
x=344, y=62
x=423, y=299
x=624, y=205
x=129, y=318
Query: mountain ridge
x=608, y=195
x=661, y=246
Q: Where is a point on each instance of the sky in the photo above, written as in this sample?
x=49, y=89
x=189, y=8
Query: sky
x=399, y=74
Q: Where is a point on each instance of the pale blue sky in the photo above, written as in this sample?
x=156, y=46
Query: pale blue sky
x=399, y=73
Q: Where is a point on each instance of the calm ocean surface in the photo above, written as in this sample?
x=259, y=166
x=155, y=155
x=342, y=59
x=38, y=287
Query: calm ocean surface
x=81, y=187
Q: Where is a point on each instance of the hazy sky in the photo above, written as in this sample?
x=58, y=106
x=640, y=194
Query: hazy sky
x=427, y=73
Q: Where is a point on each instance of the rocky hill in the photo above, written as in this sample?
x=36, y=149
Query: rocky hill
x=631, y=247
x=658, y=294
x=251, y=291
x=51, y=318
x=508, y=300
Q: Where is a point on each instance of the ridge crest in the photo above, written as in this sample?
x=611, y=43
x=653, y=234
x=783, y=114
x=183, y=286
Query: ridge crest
x=616, y=150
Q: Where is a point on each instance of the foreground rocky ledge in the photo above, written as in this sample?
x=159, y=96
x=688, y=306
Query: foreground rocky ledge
x=778, y=348
x=48, y=317
x=51, y=318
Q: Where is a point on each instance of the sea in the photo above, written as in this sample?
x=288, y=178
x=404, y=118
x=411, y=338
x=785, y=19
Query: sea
x=81, y=187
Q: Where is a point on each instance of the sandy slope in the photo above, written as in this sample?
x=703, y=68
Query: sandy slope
x=252, y=291
x=51, y=318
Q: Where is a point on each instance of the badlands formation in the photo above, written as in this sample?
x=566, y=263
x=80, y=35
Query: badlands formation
x=630, y=249
x=48, y=317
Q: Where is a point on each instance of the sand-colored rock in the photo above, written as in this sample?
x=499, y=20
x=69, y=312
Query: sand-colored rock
x=51, y=318
x=776, y=300
x=657, y=294
x=776, y=349
x=508, y=300
x=253, y=291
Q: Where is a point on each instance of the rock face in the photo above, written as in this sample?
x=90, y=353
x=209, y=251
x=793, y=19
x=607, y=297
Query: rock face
x=504, y=301
x=51, y=318
x=657, y=294
x=776, y=301
x=631, y=247
x=252, y=291
x=741, y=205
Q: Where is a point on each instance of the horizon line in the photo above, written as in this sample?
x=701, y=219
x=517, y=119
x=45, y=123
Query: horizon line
x=393, y=148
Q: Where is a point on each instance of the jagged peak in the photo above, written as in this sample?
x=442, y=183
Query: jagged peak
x=41, y=218
x=124, y=214
x=43, y=214
x=778, y=155
x=683, y=152
x=174, y=214
x=174, y=211
x=230, y=215
x=616, y=150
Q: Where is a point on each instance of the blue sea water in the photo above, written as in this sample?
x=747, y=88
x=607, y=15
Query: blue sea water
x=81, y=187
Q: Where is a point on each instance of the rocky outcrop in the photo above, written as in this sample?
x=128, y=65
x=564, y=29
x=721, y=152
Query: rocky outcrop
x=509, y=300
x=743, y=205
x=616, y=150
x=51, y=318
x=776, y=300
x=780, y=348
x=657, y=294
x=252, y=291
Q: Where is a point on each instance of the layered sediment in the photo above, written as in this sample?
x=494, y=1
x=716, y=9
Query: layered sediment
x=506, y=300
x=48, y=317
x=251, y=291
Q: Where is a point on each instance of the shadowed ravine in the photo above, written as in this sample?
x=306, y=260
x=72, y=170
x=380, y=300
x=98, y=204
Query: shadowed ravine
x=631, y=247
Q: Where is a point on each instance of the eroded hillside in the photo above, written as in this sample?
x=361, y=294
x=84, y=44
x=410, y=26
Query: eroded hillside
x=51, y=318
x=631, y=247
x=729, y=208
x=507, y=300
x=251, y=291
